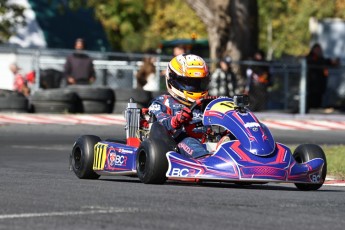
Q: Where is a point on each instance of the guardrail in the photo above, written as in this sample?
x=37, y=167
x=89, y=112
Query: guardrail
x=117, y=70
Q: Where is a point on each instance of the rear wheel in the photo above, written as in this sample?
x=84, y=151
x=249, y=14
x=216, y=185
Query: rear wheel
x=307, y=152
x=81, y=158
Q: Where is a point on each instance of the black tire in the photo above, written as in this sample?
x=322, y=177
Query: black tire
x=151, y=161
x=54, y=95
x=94, y=99
x=122, y=95
x=56, y=107
x=97, y=106
x=92, y=93
x=55, y=101
x=307, y=152
x=139, y=95
x=81, y=157
x=11, y=101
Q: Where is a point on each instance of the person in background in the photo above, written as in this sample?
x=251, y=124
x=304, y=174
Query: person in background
x=178, y=50
x=20, y=83
x=79, y=67
x=258, y=82
x=146, y=76
x=223, y=80
x=317, y=76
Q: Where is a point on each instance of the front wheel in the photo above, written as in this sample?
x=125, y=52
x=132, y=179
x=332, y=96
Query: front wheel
x=81, y=158
x=151, y=163
x=307, y=152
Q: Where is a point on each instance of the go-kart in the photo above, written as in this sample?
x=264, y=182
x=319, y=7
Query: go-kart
x=241, y=150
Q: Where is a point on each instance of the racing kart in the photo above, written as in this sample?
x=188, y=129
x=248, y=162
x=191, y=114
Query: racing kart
x=241, y=150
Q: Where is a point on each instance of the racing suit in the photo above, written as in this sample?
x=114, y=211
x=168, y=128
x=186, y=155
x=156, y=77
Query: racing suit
x=164, y=108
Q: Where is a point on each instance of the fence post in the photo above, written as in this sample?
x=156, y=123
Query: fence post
x=158, y=70
x=37, y=70
x=303, y=87
x=286, y=87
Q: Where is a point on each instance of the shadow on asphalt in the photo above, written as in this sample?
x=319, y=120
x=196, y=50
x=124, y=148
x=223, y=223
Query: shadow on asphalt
x=268, y=186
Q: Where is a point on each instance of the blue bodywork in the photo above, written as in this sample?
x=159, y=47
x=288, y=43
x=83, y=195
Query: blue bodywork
x=252, y=155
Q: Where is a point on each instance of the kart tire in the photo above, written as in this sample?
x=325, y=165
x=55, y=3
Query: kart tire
x=307, y=152
x=151, y=165
x=81, y=158
x=151, y=160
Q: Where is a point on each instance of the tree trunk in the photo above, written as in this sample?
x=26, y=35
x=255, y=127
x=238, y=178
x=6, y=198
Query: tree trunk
x=231, y=25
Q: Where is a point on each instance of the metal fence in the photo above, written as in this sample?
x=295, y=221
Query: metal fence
x=117, y=70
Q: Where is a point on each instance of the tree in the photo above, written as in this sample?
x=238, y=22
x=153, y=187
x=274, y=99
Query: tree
x=231, y=26
x=173, y=20
x=10, y=16
x=123, y=20
x=133, y=25
x=284, y=25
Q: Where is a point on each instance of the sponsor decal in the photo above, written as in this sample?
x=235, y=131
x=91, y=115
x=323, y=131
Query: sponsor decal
x=315, y=178
x=124, y=151
x=185, y=148
x=223, y=106
x=255, y=129
x=251, y=125
x=155, y=107
x=197, y=116
x=116, y=159
x=177, y=106
x=176, y=172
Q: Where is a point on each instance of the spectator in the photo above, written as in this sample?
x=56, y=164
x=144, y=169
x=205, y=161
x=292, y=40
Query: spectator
x=317, y=76
x=223, y=80
x=178, y=50
x=258, y=81
x=79, y=67
x=20, y=83
x=146, y=76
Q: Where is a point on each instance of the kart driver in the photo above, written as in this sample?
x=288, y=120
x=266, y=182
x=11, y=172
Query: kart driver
x=187, y=79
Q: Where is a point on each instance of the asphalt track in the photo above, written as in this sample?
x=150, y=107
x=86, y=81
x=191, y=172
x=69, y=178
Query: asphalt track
x=39, y=192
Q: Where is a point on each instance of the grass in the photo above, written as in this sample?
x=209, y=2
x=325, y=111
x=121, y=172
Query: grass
x=335, y=155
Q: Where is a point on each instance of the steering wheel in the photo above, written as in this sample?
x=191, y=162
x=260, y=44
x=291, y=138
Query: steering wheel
x=202, y=103
x=199, y=103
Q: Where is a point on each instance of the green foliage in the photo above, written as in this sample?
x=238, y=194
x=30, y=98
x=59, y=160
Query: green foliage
x=10, y=16
x=289, y=23
x=133, y=25
x=173, y=20
x=123, y=20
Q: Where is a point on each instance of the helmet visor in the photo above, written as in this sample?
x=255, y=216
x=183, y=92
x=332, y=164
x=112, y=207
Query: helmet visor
x=191, y=84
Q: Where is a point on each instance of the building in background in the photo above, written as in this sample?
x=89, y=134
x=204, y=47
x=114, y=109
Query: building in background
x=50, y=24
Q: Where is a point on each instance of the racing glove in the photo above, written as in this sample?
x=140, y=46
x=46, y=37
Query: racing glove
x=183, y=117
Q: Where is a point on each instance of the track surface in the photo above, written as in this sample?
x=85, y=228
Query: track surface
x=39, y=192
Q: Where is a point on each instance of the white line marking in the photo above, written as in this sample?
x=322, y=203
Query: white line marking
x=69, y=213
x=51, y=147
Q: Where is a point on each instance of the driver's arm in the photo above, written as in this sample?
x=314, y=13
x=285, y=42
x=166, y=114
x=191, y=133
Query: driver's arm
x=164, y=116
